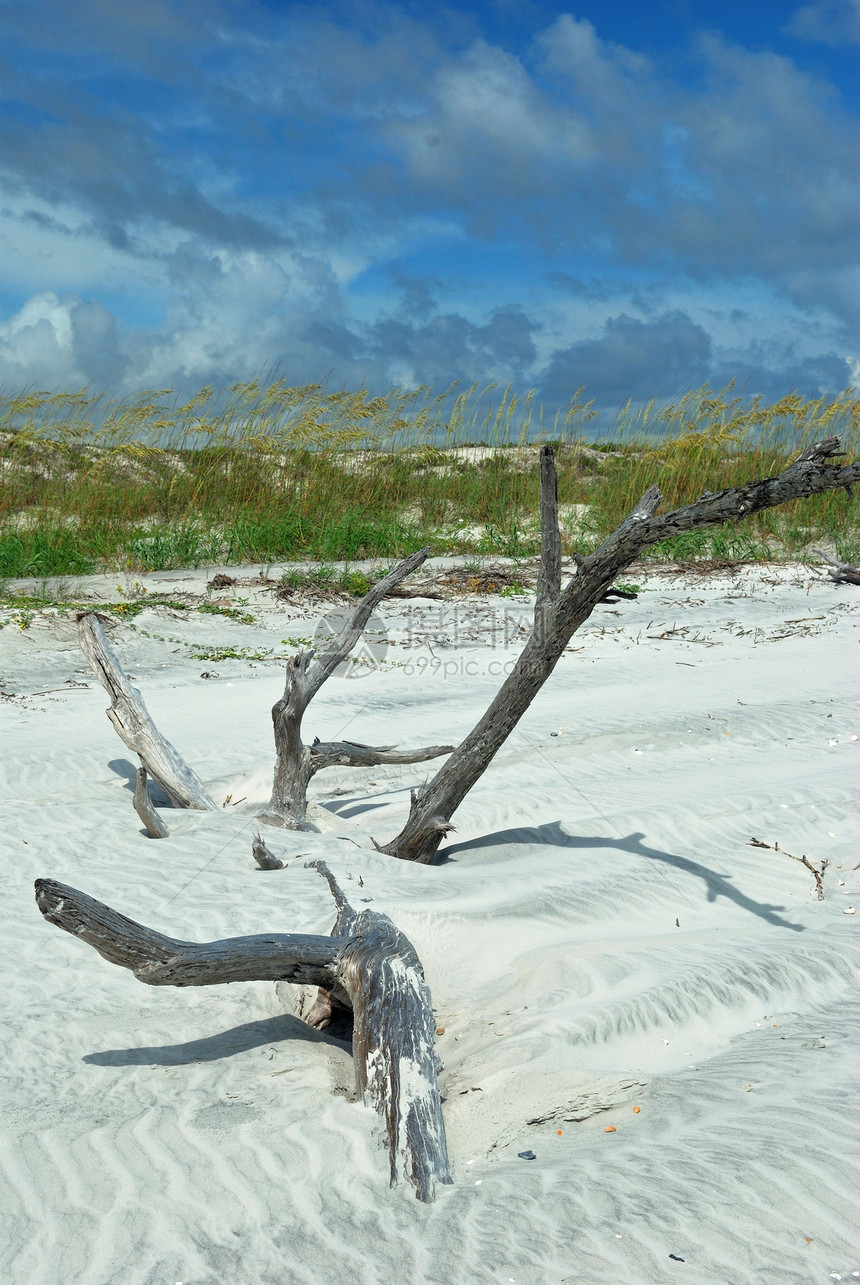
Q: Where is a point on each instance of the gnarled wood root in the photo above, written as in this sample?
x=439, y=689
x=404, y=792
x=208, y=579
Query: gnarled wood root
x=366, y=964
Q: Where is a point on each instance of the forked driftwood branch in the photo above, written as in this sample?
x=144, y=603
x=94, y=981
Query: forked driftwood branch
x=559, y=612
x=366, y=965
x=296, y=762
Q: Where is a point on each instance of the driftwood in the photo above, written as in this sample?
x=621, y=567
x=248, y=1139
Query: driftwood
x=560, y=612
x=366, y=964
x=841, y=572
x=296, y=762
x=132, y=722
x=145, y=809
x=818, y=875
x=265, y=859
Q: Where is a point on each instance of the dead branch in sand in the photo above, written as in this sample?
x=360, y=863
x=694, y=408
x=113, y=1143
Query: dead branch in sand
x=265, y=859
x=804, y=861
x=296, y=762
x=559, y=611
x=367, y=965
x=144, y=808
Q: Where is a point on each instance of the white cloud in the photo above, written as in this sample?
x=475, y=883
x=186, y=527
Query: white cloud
x=483, y=111
x=59, y=343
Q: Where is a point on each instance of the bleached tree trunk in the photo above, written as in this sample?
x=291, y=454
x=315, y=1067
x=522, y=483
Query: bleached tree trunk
x=367, y=964
x=559, y=613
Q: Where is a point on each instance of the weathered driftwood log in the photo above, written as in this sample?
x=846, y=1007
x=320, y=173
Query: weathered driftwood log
x=393, y=1042
x=366, y=965
x=841, y=572
x=296, y=762
x=559, y=613
x=354, y=754
x=134, y=725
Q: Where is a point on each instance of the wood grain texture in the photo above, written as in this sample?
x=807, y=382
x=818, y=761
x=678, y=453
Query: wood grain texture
x=133, y=723
x=145, y=808
x=393, y=1043
x=162, y=961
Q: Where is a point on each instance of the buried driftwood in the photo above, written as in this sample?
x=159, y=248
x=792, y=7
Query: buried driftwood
x=559, y=612
x=296, y=763
x=841, y=572
x=366, y=965
x=145, y=809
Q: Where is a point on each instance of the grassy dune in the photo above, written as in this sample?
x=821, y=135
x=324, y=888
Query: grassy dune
x=266, y=473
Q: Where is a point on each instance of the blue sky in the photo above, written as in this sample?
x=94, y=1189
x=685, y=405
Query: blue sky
x=635, y=198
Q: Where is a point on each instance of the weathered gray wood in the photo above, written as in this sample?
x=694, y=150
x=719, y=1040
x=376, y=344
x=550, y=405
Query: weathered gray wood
x=132, y=721
x=145, y=808
x=841, y=572
x=297, y=762
x=353, y=754
x=265, y=859
x=393, y=1042
x=549, y=574
x=367, y=964
x=432, y=806
x=162, y=961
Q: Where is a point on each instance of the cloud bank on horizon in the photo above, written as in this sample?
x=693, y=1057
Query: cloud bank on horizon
x=638, y=199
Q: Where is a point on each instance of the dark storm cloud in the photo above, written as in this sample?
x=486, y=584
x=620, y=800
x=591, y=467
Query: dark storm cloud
x=450, y=347
x=638, y=359
x=810, y=376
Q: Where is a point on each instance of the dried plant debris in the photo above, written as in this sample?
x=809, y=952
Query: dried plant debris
x=804, y=860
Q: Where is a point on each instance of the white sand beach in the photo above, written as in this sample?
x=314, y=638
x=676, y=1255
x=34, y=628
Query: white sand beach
x=663, y=1014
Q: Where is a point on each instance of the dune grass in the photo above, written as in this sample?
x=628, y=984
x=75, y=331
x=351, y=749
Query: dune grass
x=269, y=473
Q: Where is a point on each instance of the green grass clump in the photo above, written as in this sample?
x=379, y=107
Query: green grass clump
x=263, y=474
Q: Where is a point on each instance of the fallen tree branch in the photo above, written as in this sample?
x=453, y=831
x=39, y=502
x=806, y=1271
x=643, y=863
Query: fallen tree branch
x=557, y=619
x=163, y=961
x=393, y=1040
x=353, y=754
x=132, y=721
x=366, y=965
x=841, y=572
